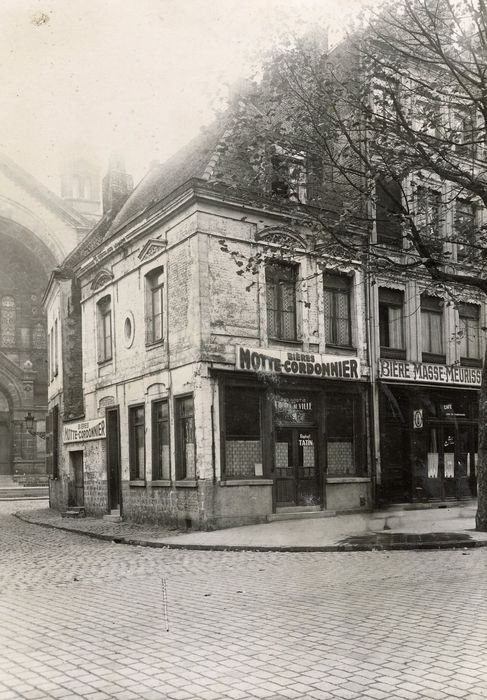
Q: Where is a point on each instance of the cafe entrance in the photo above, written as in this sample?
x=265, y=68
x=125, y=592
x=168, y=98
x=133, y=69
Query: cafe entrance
x=429, y=444
x=296, y=473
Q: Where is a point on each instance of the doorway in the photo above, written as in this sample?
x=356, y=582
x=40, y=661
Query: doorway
x=5, y=449
x=296, y=472
x=76, y=493
x=449, y=470
x=113, y=459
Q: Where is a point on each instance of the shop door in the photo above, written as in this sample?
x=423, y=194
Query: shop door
x=113, y=458
x=77, y=493
x=450, y=467
x=296, y=473
x=5, y=466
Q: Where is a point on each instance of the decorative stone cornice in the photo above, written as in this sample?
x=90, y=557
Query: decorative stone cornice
x=152, y=248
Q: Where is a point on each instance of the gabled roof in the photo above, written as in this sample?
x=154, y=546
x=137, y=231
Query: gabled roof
x=194, y=160
x=42, y=193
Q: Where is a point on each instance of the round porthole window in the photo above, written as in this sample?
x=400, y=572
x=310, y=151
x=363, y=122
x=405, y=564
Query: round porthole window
x=128, y=330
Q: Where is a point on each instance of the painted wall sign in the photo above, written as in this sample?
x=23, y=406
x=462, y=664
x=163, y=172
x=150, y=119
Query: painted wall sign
x=297, y=363
x=87, y=430
x=397, y=370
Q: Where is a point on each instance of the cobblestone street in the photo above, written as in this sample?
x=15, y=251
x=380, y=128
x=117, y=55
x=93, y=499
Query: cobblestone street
x=85, y=618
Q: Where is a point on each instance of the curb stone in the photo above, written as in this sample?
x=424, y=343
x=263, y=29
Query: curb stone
x=362, y=547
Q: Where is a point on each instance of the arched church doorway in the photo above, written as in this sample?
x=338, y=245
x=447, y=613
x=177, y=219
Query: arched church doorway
x=24, y=266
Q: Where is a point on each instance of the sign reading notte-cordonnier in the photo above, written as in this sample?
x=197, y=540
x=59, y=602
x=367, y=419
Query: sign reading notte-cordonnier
x=87, y=430
x=297, y=363
x=396, y=370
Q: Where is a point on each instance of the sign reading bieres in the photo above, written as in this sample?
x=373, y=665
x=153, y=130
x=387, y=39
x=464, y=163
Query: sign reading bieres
x=436, y=374
x=87, y=430
x=297, y=363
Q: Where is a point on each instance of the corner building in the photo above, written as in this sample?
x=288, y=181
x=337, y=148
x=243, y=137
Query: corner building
x=215, y=393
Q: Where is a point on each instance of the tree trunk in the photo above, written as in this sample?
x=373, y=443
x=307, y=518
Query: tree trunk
x=481, y=517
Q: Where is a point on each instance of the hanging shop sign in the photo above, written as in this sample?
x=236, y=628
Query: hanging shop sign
x=296, y=364
x=418, y=418
x=87, y=430
x=448, y=375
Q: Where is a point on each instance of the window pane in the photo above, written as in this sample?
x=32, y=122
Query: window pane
x=395, y=327
x=436, y=322
x=425, y=331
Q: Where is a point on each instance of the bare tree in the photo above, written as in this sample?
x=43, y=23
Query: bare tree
x=402, y=99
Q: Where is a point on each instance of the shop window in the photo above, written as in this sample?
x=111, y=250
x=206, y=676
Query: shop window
x=185, y=439
x=104, y=311
x=154, y=305
x=161, y=463
x=342, y=454
x=388, y=207
x=281, y=301
x=8, y=319
x=464, y=229
x=428, y=217
x=432, y=329
x=137, y=442
x=243, y=447
x=469, y=334
x=391, y=323
x=338, y=327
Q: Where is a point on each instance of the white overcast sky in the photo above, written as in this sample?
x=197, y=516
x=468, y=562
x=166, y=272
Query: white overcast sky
x=137, y=76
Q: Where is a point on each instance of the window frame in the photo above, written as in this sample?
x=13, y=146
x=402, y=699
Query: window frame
x=458, y=214
x=391, y=298
x=468, y=311
x=104, y=312
x=343, y=283
x=280, y=276
x=154, y=285
x=157, y=466
x=181, y=465
x=136, y=474
x=427, y=307
x=432, y=224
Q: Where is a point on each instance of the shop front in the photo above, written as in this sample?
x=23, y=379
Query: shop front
x=299, y=421
x=429, y=432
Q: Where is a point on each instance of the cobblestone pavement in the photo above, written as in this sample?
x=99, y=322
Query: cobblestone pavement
x=83, y=618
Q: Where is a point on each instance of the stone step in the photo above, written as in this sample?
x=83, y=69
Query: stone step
x=301, y=515
x=113, y=517
x=74, y=512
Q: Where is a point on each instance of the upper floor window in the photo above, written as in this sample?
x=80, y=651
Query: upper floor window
x=465, y=132
x=137, y=442
x=464, y=228
x=337, y=293
x=469, y=331
x=388, y=209
x=281, y=301
x=296, y=175
x=432, y=328
x=56, y=348
x=104, y=322
x=154, y=305
x=185, y=439
x=391, y=322
x=8, y=321
x=428, y=215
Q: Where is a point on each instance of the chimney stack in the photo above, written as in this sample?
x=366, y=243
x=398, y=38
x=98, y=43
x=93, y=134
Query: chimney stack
x=117, y=185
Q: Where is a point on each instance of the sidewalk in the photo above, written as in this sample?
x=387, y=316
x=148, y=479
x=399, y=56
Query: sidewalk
x=433, y=528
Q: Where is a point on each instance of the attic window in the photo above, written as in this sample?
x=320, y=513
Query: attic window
x=288, y=177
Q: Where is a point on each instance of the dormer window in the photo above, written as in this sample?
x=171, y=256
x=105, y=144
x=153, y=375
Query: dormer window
x=296, y=176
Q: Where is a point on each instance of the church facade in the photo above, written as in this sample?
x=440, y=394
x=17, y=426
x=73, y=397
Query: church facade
x=37, y=230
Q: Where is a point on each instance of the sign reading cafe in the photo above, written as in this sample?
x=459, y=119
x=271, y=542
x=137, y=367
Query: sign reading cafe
x=436, y=374
x=296, y=363
x=86, y=430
